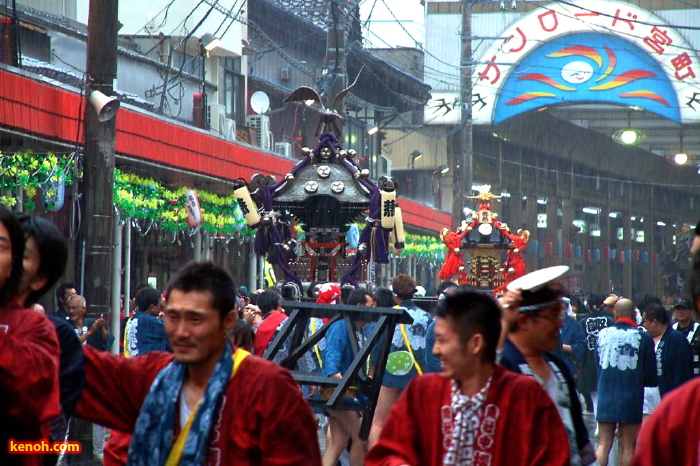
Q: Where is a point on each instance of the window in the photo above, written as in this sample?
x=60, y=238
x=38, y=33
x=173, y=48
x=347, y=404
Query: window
x=234, y=88
x=192, y=64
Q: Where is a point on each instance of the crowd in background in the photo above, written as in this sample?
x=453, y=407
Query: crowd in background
x=603, y=356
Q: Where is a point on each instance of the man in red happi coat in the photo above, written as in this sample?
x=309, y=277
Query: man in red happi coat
x=475, y=412
x=29, y=356
x=205, y=403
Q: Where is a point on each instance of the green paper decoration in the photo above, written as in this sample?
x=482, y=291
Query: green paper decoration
x=148, y=199
x=25, y=172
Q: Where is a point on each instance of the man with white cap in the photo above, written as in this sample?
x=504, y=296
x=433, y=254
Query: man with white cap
x=533, y=317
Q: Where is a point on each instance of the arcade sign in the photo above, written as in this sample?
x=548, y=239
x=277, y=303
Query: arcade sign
x=584, y=52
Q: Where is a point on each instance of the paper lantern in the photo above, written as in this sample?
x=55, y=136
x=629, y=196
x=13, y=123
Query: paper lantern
x=194, y=212
x=548, y=247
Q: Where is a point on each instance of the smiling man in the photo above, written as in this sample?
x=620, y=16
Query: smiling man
x=475, y=412
x=203, y=404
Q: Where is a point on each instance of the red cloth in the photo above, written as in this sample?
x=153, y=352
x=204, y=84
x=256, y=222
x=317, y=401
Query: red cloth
x=265, y=332
x=328, y=293
x=671, y=435
x=528, y=427
x=29, y=390
x=263, y=418
x=117, y=449
x=515, y=259
x=453, y=260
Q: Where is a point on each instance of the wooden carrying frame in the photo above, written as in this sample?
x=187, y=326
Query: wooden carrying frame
x=295, y=328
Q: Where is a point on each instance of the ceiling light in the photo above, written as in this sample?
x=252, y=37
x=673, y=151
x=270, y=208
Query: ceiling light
x=680, y=158
x=591, y=210
x=614, y=214
x=373, y=130
x=628, y=136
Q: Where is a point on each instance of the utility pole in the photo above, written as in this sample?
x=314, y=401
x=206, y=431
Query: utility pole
x=335, y=52
x=98, y=176
x=463, y=178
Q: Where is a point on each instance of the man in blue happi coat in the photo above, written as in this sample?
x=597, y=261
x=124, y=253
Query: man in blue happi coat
x=626, y=365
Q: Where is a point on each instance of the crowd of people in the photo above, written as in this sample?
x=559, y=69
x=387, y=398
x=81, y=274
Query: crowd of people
x=474, y=379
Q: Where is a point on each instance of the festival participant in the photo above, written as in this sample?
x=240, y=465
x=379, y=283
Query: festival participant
x=674, y=357
x=683, y=311
x=453, y=257
x=475, y=412
x=270, y=305
x=408, y=340
x=45, y=255
x=145, y=331
x=203, y=404
x=91, y=332
x=29, y=355
x=63, y=292
x=626, y=366
x=573, y=341
x=533, y=319
x=592, y=322
x=343, y=424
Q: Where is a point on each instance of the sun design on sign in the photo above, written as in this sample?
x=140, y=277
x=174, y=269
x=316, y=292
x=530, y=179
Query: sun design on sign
x=577, y=73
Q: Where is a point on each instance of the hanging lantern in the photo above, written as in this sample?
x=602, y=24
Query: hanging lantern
x=628, y=255
x=534, y=246
x=53, y=194
x=568, y=250
x=596, y=255
x=606, y=252
x=655, y=258
x=246, y=204
x=560, y=249
x=388, y=209
x=645, y=257
x=587, y=256
x=577, y=251
x=194, y=212
x=621, y=257
x=635, y=255
x=548, y=247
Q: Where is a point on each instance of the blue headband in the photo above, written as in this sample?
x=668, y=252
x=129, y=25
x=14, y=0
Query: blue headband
x=535, y=307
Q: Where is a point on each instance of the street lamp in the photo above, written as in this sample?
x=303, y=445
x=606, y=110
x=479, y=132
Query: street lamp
x=439, y=173
x=207, y=43
x=415, y=155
